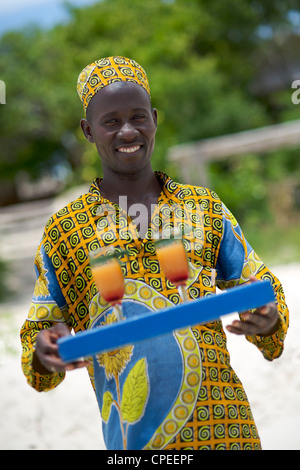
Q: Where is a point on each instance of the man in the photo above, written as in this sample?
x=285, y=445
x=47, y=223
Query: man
x=176, y=391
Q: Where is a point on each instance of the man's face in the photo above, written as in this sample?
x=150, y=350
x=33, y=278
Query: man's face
x=122, y=124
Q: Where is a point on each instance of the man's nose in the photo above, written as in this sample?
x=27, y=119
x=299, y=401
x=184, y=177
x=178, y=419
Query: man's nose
x=128, y=132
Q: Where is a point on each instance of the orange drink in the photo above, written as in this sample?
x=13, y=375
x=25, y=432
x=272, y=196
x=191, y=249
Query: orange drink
x=173, y=261
x=109, y=280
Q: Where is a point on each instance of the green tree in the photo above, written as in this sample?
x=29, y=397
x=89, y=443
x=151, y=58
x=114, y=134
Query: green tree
x=201, y=58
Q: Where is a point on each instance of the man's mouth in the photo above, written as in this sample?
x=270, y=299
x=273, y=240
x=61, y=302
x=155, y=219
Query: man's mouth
x=132, y=149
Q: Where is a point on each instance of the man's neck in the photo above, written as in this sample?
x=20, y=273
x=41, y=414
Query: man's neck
x=137, y=196
x=136, y=188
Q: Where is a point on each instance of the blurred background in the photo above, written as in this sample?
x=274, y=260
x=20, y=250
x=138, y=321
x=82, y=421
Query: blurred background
x=225, y=78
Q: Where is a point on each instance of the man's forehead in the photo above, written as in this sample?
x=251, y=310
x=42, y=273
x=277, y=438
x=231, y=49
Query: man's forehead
x=119, y=96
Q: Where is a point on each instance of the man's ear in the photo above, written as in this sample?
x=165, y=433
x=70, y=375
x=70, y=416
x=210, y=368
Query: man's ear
x=154, y=115
x=86, y=129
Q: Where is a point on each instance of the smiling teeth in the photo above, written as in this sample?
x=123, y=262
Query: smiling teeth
x=129, y=150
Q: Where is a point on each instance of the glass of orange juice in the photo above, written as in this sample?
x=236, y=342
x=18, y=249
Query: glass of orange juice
x=109, y=279
x=173, y=261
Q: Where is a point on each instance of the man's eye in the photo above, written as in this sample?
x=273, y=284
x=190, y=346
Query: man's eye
x=111, y=122
x=139, y=117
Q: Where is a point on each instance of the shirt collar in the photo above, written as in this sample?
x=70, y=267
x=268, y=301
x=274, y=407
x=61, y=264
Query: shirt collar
x=171, y=189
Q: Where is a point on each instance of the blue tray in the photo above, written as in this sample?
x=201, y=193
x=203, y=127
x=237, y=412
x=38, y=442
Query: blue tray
x=138, y=328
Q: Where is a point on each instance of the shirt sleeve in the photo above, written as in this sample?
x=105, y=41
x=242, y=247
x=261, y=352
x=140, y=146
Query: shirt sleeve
x=236, y=262
x=47, y=308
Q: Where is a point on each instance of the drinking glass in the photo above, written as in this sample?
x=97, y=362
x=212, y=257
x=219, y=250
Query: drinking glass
x=173, y=261
x=109, y=279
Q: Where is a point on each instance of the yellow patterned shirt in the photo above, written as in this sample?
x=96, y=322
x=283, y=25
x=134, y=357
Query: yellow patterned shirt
x=176, y=391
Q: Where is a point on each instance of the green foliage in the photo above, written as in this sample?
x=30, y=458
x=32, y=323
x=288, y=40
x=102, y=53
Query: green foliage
x=201, y=58
x=275, y=245
x=240, y=183
x=263, y=192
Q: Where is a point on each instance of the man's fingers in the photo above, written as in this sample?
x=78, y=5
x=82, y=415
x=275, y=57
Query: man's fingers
x=60, y=330
x=242, y=328
x=48, y=353
x=261, y=321
x=60, y=366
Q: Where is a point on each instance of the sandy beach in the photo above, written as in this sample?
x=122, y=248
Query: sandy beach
x=68, y=417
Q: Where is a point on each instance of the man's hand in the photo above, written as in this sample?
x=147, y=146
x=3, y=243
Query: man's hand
x=264, y=321
x=46, y=357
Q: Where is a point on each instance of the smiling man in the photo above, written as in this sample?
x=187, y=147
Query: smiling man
x=122, y=124
x=176, y=391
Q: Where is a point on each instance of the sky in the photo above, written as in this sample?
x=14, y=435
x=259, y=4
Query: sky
x=15, y=14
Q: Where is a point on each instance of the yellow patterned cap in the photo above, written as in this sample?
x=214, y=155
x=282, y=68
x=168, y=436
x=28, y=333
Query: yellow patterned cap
x=105, y=71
